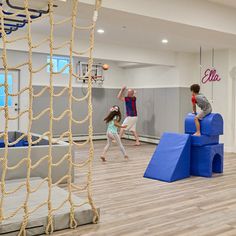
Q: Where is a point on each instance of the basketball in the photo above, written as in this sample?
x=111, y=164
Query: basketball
x=105, y=67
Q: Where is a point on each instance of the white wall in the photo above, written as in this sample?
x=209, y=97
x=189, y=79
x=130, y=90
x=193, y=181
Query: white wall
x=221, y=94
x=151, y=77
x=185, y=73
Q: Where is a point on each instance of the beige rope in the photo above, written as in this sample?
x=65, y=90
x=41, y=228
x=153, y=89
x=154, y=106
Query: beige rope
x=90, y=112
x=50, y=228
x=67, y=157
x=30, y=116
x=6, y=114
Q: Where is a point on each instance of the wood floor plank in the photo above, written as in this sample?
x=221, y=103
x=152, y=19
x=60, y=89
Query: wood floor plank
x=134, y=206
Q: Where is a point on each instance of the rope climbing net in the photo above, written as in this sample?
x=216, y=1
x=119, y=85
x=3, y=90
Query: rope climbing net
x=72, y=20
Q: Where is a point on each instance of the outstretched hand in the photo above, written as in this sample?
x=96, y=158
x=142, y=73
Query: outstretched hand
x=124, y=88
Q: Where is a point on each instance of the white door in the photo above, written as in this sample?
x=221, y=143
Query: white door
x=13, y=101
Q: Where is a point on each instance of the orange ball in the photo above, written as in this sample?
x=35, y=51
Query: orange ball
x=105, y=67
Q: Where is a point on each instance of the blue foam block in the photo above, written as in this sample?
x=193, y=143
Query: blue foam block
x=212, y=124
x=20, y=143
x=2, y=145
x=204, y=140
x=171, y=160
x=207, y=159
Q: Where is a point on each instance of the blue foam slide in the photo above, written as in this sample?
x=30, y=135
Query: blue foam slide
x=204, y=140
x=212, y=124
x=207, y=159
x=171, y=160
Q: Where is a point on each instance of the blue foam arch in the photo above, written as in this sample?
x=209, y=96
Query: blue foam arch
x=211, y=125
x=207, y=159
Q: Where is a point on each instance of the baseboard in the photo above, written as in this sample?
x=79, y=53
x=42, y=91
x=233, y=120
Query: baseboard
x=145, y=139
x=230, y=149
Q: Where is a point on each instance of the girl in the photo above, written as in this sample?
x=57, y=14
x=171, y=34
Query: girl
x=113, y=120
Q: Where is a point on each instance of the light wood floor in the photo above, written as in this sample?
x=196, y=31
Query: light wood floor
x=133, y=205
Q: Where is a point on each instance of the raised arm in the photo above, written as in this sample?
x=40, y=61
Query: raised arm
x=120, y=95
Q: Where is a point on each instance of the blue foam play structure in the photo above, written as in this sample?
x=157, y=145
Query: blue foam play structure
x=204, y=140
x=171, y=160
x=211, y=125
x=2, y=144
x=207, y=159
x=20, y=143
x=180, y=155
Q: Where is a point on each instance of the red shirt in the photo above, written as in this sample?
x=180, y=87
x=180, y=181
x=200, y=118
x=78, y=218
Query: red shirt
x=131, y=109
x=194, y=101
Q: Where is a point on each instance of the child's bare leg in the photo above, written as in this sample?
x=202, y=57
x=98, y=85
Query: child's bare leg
x=137, y=143
x=197, y=123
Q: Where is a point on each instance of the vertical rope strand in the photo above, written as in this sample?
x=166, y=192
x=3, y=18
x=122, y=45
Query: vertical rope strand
x=6, y=114
x=49, y=228
x=73, y=223
x=30, y=116
x=90, y=113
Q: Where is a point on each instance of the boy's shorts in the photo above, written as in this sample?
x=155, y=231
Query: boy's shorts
x=202, y=114
x=131, y=122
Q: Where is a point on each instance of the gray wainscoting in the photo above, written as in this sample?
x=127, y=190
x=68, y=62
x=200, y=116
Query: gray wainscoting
x=159, y=109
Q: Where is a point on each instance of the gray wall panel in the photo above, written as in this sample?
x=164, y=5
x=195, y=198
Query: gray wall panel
x=147, y=118
x=39, y=104
x=185, y=106
x=159, y=110
x=171, y=110
x=99, y=109
x=80, y=111
x=139, y=105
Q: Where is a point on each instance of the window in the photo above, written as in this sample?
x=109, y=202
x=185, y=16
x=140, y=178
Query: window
x=58, y=64
x=2, y=90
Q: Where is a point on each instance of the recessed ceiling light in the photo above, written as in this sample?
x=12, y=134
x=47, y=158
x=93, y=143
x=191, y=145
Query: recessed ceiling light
x=100, y=31
x=164, y=41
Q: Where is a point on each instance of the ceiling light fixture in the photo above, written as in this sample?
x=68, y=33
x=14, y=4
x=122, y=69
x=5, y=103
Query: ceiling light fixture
x=164, y=41
x=100, y=31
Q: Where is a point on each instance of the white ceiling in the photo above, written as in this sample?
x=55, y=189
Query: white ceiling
x=229, y=3
x=140, y=31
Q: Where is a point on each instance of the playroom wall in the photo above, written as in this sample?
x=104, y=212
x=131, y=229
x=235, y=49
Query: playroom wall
x=102, y=99
x=222, y=94
x=163, y=94
x=164, y=82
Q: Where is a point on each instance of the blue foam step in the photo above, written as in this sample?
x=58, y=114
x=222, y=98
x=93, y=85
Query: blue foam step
x=171, y=160
x=211, y=125
x=206, y=160
x=204, y=140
